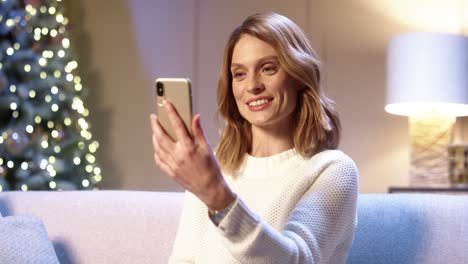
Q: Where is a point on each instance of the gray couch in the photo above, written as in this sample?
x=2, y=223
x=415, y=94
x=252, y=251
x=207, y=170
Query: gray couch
x=139, y=227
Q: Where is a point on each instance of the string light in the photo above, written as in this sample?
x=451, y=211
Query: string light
x=24, y=165
x=24, y=187
x=57, y=149
x=67, y=121
x=27, y=68
x=32, y=93
x=44, y=144
x=89, y=168
x=1, y=161
x=29, y=129
x=52, y=184
x=66, y=43
x=50, y=124
x=37, y=119
x=43, y=9
x=10, y=51
x=15, y=114
x=85, y=183
x=13, y=106
x=43, y=61
x=52, y=10
x=43, y=75
x=61, y=53
x=10, y=164
x=77, y=161
x=48, y=98
x=81, y=145
x=59, y=18
x=43, y=164
x=13, y=88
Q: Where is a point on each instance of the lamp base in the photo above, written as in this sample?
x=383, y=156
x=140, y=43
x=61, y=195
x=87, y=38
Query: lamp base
x=430, y=136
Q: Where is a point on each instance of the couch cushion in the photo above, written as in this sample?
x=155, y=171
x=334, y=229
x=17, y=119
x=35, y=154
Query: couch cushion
x=411, y=228
x=23, y=239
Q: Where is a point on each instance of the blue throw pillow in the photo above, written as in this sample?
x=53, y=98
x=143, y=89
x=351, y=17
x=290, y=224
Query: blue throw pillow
x=23, y=239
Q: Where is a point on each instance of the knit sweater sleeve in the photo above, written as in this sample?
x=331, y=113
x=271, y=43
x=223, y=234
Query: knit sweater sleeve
x=319, y=229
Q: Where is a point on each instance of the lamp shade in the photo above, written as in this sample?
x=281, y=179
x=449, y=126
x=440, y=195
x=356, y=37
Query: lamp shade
x=427, y=72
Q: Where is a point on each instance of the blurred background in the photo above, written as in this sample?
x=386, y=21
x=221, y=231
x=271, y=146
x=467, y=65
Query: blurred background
x=123, y=45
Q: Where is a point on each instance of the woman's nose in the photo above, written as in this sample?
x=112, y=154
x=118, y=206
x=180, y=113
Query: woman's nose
x=255, y=85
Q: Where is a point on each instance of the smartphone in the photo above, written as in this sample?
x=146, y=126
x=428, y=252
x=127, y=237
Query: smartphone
x=179, y=92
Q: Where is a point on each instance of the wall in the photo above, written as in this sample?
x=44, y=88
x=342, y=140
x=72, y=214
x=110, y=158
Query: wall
x=123, y=47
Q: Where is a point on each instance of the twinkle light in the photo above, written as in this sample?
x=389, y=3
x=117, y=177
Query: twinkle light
x=69, y=77
x=24, y=165
x=33, y=11
x=37, y=37
x=85, y=183
x=52, y=10
x=52, y=159
x=81, y=145
x=65, y=21
x=37, y=119
x=89, y=168
x=54, y=107
x=61, y=53
x=52, y=173
x=77, y=78
x=57, y=149
x=43, y=9
x=1, y=161
x=37, y=31
x=10, y=51
x=10, y=164
x=53, y=33
x=43, y=164
x=32, y=93
x=16, y=46
x=52, y=184
x=48, y=98
x=97, y=170
x=27, y=68
x=13, y=106
x=57, y=74
x=44, y=31
x=59, y=18
x=66, y=43
x=29, y=129
x=97, y=178
x=43, y=61
x=54, y=133
x=77, y=161
x=93, y=147
x=90, y=158
x=15, y=114
x=83, y=124
x=44, y=144
x=78, y=87
x=10, y=22
x=61, y=30
x=24, y=187
x=50, y=124
x=12, y=88
x=67, y=121
x=62, y=97
x=1, y=142
x=54, y=90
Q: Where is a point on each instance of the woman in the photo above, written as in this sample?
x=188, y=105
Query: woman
x=277, y=191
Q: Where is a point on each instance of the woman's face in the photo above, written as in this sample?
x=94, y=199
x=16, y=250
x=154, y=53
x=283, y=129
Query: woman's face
x=265, y=94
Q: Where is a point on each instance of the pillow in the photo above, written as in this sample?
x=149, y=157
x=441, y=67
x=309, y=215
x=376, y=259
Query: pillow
x=23, y=239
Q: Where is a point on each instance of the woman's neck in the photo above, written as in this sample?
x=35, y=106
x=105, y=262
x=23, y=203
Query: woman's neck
x=270, y=141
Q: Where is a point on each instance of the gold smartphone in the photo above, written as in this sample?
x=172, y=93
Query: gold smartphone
x=179, y=93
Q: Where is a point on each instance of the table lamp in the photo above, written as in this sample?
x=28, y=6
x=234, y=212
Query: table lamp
x=427, y=80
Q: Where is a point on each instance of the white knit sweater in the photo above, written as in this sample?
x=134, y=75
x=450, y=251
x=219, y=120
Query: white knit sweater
x=289, y=210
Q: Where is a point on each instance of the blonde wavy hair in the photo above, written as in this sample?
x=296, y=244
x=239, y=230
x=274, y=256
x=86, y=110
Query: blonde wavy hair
x=317, y=125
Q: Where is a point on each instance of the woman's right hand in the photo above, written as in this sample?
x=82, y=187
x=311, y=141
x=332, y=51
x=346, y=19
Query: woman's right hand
x=190, y=160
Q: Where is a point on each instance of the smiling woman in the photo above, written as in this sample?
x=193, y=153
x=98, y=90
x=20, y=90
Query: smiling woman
x=277, y=190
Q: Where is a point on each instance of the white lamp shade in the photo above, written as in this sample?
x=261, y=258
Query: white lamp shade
x=427, y=72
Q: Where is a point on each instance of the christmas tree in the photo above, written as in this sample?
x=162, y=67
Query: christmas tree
x=45, y=140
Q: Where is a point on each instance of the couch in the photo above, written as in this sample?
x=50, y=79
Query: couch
x=139, y=227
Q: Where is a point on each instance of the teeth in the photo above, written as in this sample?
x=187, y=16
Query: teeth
x=258, y=102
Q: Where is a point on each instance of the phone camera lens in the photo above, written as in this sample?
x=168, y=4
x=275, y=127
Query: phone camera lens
x=160, y=88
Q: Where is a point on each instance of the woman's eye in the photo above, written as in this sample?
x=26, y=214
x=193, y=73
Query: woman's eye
x=238, y=75
x=269, y=69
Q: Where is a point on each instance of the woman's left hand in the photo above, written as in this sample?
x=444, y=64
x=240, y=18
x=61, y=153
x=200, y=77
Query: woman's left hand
x=189, y=160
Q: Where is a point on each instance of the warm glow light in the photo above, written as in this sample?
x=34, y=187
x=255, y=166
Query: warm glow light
x=445, y=16
x=412, y=109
